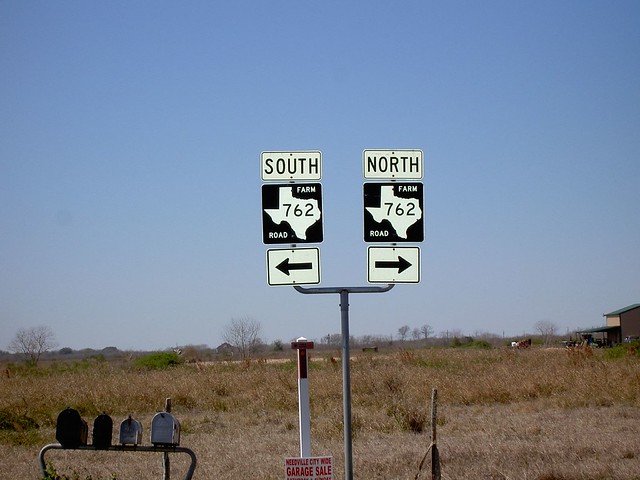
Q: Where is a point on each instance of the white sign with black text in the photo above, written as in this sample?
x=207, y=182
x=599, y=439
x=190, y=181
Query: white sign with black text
x=291, y=166
x=392, y=164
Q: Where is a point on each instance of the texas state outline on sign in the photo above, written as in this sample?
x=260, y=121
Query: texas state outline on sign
x=298, y=212
x=401, y=213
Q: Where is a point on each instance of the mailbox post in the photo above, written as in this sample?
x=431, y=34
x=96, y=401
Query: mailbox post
x=302, y=345
x=71, y=433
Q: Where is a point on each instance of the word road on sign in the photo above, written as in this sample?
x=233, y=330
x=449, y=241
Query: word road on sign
x=292, y=213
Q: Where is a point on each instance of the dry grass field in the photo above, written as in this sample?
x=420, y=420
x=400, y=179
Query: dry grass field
x=539, y=414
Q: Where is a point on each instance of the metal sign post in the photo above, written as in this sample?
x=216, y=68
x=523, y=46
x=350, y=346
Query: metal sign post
x=346, y=367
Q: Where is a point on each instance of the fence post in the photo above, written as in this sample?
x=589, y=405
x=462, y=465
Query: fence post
x=435, y=456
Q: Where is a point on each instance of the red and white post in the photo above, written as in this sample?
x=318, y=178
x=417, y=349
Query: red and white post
x=302, y=345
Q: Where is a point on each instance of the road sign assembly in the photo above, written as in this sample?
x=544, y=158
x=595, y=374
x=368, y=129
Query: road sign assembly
x=292, y=214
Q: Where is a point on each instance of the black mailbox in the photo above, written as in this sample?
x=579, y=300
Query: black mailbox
x=102, y=431
x=71, y=429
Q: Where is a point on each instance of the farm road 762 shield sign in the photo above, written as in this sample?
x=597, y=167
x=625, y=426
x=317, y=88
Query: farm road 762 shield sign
x=292, y=213
x=393, y=212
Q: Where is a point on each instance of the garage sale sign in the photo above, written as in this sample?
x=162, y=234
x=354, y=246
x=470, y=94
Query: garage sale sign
x=308, y=468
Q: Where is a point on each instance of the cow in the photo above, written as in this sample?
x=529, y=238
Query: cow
x=521, y=344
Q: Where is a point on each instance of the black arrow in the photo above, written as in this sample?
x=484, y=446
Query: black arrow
x=285, y=267
x=401, y=264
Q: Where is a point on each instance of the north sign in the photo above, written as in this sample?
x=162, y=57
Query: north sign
x=393, y=264
x=291, y=166
x=393, y=212
x=392, y=164
x=292, y=213
x=293, y=266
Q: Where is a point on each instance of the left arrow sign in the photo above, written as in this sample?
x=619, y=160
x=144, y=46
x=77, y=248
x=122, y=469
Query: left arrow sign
x=293, y=266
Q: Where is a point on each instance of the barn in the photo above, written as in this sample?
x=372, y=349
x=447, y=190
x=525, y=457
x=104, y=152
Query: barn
x=620, y=325
x=627, y=320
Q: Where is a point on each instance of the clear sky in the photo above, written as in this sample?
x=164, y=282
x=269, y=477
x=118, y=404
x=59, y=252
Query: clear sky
x=130, y=140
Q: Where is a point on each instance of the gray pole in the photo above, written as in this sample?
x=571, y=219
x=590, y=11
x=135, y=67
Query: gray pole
x=346, y=385
x=346, y=366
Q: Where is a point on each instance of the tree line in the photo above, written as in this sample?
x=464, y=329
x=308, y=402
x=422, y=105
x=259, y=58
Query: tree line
x=243, y=335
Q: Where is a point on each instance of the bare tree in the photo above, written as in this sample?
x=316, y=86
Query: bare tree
x=403, y=331
x=244, y=334
x=547, y=329
x=33, y=342
x=426, y=330
x=415, y=334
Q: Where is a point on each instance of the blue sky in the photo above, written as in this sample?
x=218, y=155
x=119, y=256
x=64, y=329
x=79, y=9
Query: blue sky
x=130, y=140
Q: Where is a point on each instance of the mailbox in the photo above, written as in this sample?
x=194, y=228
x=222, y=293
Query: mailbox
x=71, y=429
x=165, y=429
x=102, y=431
x=130, y=432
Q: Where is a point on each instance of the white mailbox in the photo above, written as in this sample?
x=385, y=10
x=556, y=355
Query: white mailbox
x=130, y=432
x=165, y=429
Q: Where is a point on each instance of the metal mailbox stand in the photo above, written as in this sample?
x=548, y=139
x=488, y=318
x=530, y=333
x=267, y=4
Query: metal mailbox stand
x=346, y=368
x=121, y=448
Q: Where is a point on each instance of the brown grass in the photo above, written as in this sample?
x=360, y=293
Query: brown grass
x=535, y=414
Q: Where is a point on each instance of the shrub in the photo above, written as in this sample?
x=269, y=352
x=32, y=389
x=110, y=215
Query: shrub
x=408, y=418
x=481, y=344
x=16, y=422
x=158, y=360
x=623, y=350
x=18, y=429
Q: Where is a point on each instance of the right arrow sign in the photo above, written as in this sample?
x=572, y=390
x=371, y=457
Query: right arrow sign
x=393, y=264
